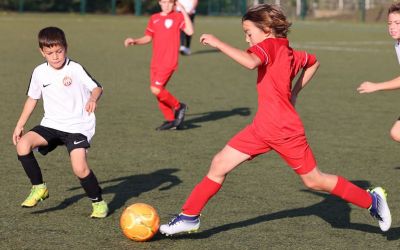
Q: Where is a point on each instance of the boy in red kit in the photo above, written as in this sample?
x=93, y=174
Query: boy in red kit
x=276, y=125
x=163, y=30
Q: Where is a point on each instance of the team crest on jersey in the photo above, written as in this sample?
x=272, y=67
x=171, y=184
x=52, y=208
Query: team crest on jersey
x=168, y=23
x=67, y=81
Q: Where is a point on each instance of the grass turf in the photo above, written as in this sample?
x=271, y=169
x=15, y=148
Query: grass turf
x=263, y=204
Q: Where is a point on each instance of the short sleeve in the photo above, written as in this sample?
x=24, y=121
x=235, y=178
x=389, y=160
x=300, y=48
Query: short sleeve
x=150, y=27
x=310, y=60
x=87, y=80
x=34, y=90
x=181, y=21
x=260, y=52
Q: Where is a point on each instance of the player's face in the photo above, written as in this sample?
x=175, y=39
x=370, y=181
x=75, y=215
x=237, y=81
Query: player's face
x=253, y=34
x=54, y=55
x=394, y=25
x=166, y=6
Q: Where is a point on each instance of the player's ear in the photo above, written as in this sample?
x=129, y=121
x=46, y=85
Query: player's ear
x=42, y=52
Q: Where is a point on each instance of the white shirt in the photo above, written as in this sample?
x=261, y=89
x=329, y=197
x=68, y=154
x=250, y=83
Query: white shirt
x=187, y=5
x=397, y=47
x=65, y=93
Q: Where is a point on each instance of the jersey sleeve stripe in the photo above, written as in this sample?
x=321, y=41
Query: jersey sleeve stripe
x=265, y=54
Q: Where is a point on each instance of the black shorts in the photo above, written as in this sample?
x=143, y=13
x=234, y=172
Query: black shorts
x=57, y=138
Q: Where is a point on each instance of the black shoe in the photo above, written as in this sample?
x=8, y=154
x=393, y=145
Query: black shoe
x=180, y=115
x=166, y=125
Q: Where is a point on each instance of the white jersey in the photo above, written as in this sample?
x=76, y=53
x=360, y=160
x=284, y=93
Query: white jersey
x=397, y=47
x=65, y=93
x=187, y=5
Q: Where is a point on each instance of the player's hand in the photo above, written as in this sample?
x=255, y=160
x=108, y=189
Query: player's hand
x=18, y=132
x=91, y=106
x=210, y=40
x=129, y=41
x=367, y=87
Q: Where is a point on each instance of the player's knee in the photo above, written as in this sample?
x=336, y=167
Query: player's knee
x=23, y=147
x=312, y=184
x=155, y=91
x=81, y=172
x=395, y=134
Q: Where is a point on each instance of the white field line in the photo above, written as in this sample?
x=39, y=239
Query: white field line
x=345, y=46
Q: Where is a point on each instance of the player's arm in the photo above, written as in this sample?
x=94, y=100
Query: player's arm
x=304, y=78
x=188, y=23
x=29, y=106
x=248, y=60
x=369, y=87
x=137, y=41
x=94, y=97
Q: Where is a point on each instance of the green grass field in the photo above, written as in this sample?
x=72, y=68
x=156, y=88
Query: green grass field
x=263, y=204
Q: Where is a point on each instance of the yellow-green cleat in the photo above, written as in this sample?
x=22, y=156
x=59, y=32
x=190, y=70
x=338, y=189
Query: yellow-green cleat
x=100, y=209
x=38, y=193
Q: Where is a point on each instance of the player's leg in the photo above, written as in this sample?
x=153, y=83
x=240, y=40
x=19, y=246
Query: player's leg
x=77, y=145
x=243, y=146
x=395, y=131
x=24, y=147
x=305, y=166
x=172, y=109
x=374, y=200
x=188, y=221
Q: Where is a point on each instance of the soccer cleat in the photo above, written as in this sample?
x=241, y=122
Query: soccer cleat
x=100, y=209
x=182, y=49
x=181, y=224
x=166, y=125
x=38, y=193
x=180, y=115
x=186, y=52
x=379, y=208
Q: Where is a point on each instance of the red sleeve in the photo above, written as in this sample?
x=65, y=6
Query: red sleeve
x=181, y=21
x=149, y=29
x=310, y=60
x=260, y=52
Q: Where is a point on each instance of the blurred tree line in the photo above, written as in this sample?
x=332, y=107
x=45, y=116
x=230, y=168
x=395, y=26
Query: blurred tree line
x=92, y=6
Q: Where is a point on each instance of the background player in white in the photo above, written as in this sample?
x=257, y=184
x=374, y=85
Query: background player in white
x=70, y=98
x=190, y=8
x=369, y=87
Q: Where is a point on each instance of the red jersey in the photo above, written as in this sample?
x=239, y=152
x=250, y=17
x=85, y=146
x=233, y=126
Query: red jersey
x=276, y=118
x=165, y=32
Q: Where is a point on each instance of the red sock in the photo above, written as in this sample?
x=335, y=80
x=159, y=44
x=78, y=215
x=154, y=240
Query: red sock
x=352, y=193
x=168, y=99
x=169, y=115
x=200, y=195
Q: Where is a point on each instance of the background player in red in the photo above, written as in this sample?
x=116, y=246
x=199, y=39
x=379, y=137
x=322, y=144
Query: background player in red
x=369, y=87
x=163, y=30
x=276, y=125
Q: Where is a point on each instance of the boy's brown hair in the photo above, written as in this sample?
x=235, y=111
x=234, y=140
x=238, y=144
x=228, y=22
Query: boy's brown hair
x=52, y=36
x=268, y=16
x=394, y=8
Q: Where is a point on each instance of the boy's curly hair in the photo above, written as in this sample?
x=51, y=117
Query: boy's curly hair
x=268, y=16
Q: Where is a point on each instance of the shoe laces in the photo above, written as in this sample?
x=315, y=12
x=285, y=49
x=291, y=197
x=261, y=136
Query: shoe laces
x=374, y=210
x=175, y=219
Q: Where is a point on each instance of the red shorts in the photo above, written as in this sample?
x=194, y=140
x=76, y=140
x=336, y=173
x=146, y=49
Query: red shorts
x=294, y=150
x=160, y=78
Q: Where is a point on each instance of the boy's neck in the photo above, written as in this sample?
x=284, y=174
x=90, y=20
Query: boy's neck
x=165, y=13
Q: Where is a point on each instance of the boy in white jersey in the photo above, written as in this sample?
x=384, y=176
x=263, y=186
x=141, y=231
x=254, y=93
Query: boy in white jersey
x=70, y=98
x=369, y=87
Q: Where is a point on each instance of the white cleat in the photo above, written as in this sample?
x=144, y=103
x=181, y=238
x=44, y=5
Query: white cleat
x=380, y=209
x=181, y=224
